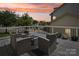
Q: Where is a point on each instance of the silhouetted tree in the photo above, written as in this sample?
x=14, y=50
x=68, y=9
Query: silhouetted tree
x=35, y=21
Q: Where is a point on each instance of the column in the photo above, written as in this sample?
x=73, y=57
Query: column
x=77, y=32
x=52, y=30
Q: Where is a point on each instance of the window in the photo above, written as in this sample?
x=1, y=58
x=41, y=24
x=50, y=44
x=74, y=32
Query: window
x=68, y=32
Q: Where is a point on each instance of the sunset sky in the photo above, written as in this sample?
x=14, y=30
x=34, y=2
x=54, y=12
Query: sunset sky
x=39, y=11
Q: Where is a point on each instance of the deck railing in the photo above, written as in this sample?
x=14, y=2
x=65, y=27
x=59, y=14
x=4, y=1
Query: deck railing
x=43, y=29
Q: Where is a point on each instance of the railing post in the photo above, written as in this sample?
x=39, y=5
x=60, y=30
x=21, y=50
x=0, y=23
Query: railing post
x=52, y=30
x=29, y=28
x=76, y=32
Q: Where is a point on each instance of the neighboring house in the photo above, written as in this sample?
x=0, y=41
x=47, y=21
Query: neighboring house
x=67, y=18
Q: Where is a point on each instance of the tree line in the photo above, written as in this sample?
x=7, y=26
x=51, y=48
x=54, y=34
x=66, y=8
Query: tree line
x=9, y=18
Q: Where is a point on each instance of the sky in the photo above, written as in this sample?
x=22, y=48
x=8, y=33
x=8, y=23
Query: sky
x=39, y=11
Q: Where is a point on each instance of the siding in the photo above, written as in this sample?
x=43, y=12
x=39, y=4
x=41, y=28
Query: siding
x=66, y=20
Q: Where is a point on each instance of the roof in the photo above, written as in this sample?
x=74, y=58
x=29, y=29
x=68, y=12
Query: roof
x=72, y=8
x=57, y=8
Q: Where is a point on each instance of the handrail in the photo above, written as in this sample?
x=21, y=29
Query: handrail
x=42, y=26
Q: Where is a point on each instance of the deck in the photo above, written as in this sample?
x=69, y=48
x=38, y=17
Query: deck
x=64, y=47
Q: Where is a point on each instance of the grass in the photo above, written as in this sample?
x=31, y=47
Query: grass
x=3, y=34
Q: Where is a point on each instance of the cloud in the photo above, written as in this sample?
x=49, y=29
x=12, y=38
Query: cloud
x=39, y=11
x=29, y=7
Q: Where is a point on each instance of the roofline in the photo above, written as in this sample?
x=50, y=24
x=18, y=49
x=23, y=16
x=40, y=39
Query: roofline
x=57, y=8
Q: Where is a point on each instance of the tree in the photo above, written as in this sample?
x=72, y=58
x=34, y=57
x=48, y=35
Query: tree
x=19, y=22
x=25, y=20
x=29, y=21
x=35, y=22
x=7, y=18
x=42, y=23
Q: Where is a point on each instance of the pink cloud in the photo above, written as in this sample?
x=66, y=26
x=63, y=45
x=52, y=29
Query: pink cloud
x=30, y=7
x=36, y=8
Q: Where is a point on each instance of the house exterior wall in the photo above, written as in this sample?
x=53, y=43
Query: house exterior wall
x=66, y=20
x=60, y=30
x=66, y=15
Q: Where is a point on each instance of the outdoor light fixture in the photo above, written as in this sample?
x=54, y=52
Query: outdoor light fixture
x=54, y=17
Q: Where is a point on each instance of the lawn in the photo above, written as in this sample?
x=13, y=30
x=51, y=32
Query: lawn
x=4, y=34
